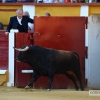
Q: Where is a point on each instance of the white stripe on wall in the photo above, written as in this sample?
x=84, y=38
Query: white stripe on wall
x=84, y=12
x=11, y=58
x=27, y=71
x=30, y=9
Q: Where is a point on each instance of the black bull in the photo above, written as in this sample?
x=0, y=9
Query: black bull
x=48, y=62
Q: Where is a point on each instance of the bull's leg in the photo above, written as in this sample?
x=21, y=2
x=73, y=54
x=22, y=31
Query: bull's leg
x=50, y=80
x=71, y=77
x=33, y=79
x=78, y=75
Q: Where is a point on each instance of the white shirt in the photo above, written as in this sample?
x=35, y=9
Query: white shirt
x=19, y=20
x=31, y=26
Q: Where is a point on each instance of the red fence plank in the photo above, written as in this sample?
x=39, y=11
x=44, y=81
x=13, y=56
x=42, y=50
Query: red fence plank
x=22, y=79
x=3, y=51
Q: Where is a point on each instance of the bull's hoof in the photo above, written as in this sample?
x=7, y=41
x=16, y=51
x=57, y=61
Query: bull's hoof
x=82, y=88
x=27, y=87
x=48, y=89
x=77, y=88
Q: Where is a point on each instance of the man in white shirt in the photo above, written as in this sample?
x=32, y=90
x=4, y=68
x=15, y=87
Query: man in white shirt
x=19, y=22
x=30, y=25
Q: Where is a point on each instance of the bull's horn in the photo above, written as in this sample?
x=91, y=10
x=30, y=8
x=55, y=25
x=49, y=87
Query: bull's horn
x=19, y=49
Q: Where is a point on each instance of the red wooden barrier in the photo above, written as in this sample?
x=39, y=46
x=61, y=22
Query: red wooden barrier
x=22, y=79
x=3, y=51
x=66, y=33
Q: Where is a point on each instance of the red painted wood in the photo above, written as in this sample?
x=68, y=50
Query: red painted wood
x=64, y=33
x=22, y=39
x=3, y=51
x=22, y=79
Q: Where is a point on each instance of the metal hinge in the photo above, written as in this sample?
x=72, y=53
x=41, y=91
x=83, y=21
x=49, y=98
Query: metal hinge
x=86, y=22
x=86, y=52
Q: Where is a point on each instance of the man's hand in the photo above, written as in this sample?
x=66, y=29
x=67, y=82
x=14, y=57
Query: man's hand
x=6, y=33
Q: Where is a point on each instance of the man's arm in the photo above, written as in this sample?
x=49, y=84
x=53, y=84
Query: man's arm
x=9, y=27
x=30, y=20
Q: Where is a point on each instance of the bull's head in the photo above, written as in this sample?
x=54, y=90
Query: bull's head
x=23, y=54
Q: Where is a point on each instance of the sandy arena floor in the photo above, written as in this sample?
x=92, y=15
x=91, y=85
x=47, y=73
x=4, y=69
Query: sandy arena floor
x=13, y=93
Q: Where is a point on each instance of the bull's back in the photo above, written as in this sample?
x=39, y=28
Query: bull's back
x=65, y=61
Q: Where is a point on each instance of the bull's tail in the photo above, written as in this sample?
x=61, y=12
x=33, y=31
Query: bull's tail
x=77, y=72
x=76, y=54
